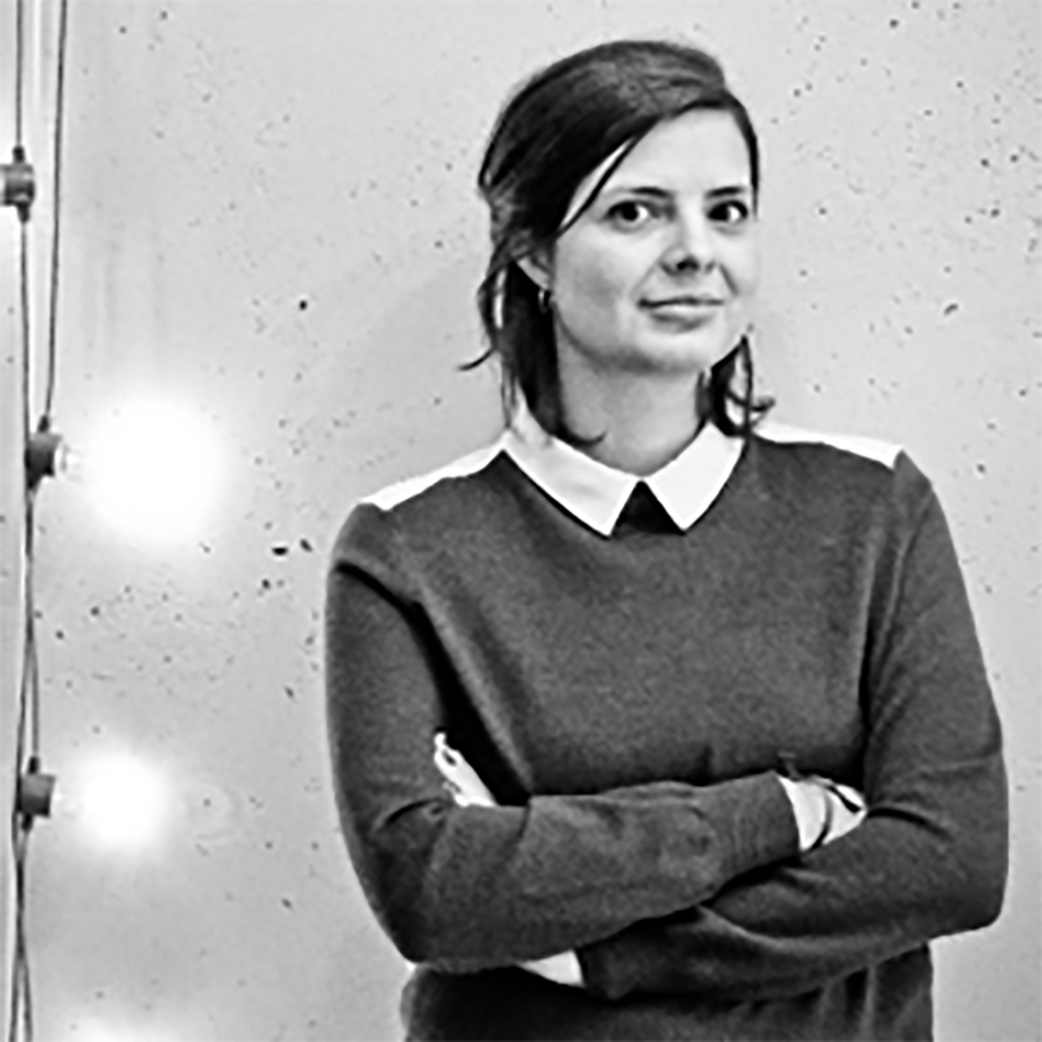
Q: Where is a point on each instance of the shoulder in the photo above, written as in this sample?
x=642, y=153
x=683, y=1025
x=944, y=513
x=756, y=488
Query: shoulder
x=860, y=473
x=436, y=482
x=825, y=443
x=420, y=510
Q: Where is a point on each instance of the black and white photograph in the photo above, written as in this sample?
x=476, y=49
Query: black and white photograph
x=519, y=519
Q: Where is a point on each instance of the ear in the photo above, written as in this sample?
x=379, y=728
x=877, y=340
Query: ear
x=535, y=266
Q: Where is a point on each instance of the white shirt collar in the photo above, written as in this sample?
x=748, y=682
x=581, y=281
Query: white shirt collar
x=596, y=494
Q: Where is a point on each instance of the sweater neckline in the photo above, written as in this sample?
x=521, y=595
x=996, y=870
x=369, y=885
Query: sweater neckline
x=596, y=494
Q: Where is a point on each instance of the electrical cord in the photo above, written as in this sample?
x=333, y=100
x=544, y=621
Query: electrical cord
x=28, y=735
x=31, y=788
x=20, y=1000
x=19, y=75
x=56, y=209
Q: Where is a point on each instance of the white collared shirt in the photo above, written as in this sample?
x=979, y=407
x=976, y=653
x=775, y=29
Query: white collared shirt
x=596, y=494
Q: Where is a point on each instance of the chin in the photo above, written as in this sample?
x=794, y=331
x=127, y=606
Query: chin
x=678, y=358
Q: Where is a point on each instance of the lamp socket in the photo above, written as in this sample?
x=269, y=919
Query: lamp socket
x=18, y=183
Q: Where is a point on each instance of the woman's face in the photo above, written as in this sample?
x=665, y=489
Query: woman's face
x=658, y=274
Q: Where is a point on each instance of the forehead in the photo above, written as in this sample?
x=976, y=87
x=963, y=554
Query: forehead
x=696, y=151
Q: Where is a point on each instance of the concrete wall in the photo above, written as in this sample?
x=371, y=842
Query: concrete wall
x=270, y=219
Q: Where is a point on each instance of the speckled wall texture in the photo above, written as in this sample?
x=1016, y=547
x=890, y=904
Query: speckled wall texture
x=270, y=216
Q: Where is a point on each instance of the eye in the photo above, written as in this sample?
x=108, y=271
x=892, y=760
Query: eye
x=631, y=213
x=731, y=211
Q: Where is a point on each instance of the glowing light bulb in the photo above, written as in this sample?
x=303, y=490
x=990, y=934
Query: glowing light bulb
x=153, y=470
x=97, y=1031
x=123, y=801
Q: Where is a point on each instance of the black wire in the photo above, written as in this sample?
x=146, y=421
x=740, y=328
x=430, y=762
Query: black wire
x=28, y=696
x=19, y=73
x=56, y=209
x=21, y=978
x=28, y=734
x=26, y=341
x=31, y=672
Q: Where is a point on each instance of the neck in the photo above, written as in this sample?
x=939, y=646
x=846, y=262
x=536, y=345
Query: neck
x=643, y=420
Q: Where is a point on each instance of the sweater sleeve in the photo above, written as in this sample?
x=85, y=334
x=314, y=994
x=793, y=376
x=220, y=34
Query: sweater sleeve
x=467, y=888
x=931, y=857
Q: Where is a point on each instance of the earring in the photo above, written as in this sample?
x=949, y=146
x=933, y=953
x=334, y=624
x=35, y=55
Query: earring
x=499, y=292
x=543, y=300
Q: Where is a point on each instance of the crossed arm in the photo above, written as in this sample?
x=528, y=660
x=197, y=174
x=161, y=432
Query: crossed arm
x=666, y=887
x=930, y=858
x=823, y=813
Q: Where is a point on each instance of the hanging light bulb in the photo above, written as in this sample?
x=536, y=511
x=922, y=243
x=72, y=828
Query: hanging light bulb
x=152, y=469
x=102, y=1031
x=122, y=801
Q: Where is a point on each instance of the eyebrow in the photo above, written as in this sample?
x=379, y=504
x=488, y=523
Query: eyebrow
x=724, y=191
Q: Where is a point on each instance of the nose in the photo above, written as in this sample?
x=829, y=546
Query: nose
x=691, y=247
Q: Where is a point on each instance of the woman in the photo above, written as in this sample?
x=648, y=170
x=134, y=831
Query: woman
x=586, y=686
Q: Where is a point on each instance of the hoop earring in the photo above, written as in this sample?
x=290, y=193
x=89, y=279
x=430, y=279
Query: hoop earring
x=543, y=298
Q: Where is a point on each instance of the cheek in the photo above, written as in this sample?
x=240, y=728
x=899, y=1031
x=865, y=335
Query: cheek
x=745, y=268
x=592, y=279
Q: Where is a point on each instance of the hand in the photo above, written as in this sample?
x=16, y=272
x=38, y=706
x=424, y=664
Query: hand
x=824, y=810
x=848, y=809
x=462, y=781
x=561, y=969
x=468, y=790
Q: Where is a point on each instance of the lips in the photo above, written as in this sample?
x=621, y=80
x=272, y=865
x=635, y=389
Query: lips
x=685, y=312
x=689, y=301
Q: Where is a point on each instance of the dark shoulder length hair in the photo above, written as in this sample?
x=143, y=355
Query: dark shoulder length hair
x=556, y=128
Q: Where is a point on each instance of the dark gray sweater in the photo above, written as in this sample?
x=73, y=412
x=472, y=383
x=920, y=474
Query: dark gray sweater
x=626, y=665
